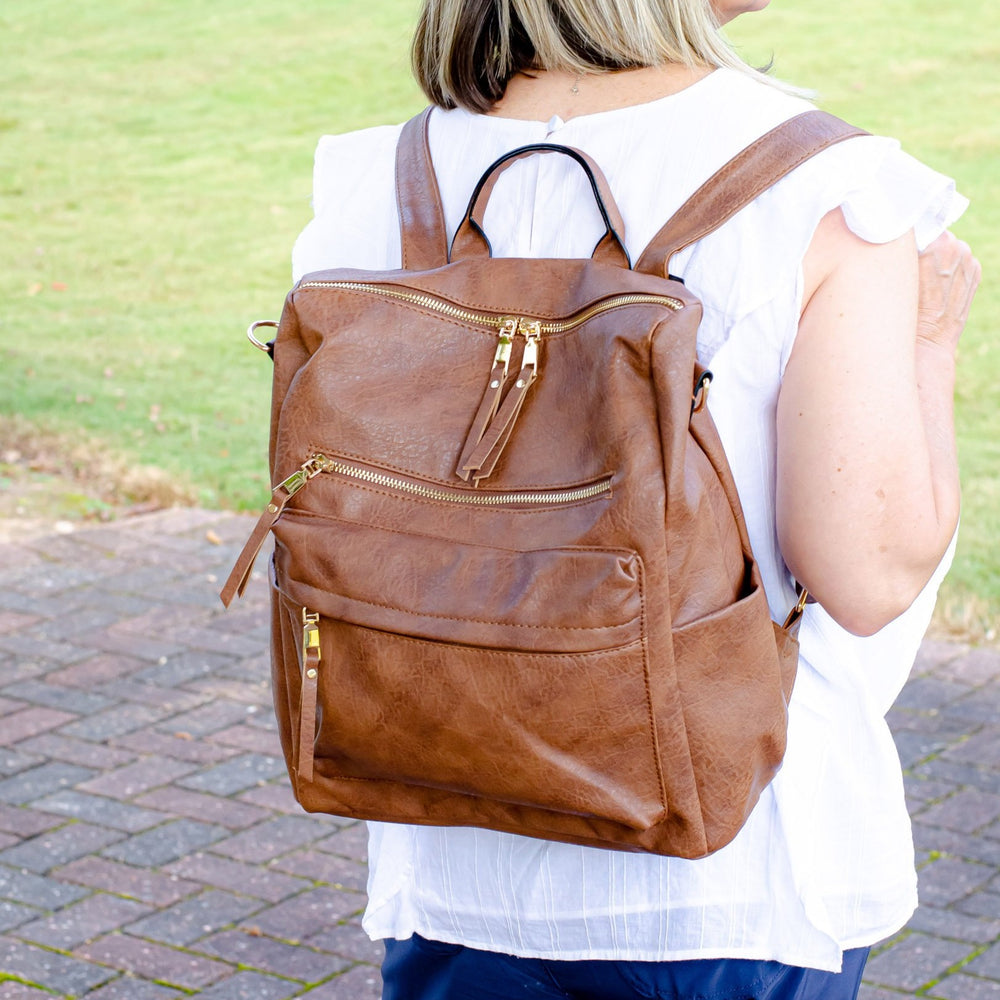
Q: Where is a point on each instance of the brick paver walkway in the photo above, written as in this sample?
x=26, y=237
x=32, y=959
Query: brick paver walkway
x=149, y=845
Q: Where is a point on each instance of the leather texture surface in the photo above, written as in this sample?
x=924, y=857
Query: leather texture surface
x=577, y=645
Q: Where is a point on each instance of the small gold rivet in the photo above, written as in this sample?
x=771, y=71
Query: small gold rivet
x=520, y=383
x=272, y=508
x=311, y=674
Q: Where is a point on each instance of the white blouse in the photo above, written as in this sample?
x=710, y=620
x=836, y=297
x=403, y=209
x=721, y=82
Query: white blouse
x=825, y=862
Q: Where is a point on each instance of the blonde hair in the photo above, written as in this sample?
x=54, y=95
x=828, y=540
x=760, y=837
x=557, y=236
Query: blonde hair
x=465, y=51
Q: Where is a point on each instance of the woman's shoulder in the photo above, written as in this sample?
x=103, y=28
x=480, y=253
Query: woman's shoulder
x=733, y=106
x=754, y=97
x=882, y=190
x=347, y=157
x=366, y=139
x=354, y=204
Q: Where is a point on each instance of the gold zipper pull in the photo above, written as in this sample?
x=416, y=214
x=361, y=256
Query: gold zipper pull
x=309, y=469
x=532, y=332
x=311, y=657
x=494, y=390
x=310, y=638
x=481, y=463
x=238, y=579
x=502, y=358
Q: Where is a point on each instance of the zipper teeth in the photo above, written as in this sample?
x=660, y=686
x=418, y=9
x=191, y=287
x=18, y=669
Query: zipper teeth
x=615, y=302
x=467, y=496
x=416, y=298
x=492, y=319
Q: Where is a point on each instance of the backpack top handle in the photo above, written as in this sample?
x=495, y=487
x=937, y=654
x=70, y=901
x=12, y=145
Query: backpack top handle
x=471, y=240
x=422, y=229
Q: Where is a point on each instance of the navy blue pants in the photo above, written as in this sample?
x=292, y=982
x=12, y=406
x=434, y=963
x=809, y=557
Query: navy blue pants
x=418, y=969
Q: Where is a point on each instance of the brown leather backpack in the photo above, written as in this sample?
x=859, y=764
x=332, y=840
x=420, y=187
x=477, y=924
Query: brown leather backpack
x=512, y=584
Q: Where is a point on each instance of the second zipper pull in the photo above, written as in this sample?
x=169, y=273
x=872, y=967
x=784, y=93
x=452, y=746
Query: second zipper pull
x=481, y=463
x=491, y=397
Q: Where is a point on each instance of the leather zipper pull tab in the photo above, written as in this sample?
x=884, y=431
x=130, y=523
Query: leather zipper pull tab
x=490, y=402
x=482, y=462
x=239, y=577
x=311, y=657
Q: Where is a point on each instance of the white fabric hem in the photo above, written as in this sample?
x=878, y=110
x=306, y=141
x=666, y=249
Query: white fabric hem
x=802, y=959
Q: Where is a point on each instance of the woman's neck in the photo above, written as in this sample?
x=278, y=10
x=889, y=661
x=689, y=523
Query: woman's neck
x=556, y=92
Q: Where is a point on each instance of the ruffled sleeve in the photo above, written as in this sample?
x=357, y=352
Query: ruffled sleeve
x=883, y=192
x=896, y=193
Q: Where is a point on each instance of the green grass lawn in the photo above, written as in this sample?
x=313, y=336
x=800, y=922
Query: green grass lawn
x=155, y=167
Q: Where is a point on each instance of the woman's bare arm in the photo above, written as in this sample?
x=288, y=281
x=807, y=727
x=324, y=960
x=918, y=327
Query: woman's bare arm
x=867, y=491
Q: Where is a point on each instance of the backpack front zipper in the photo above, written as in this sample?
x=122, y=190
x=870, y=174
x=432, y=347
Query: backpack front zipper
x=320, y=463
x=500, y=406
x=492, y=426
x=497, y=320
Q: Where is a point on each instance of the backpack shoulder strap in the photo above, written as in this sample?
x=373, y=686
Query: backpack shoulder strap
x=743, y=178
x=422, y=232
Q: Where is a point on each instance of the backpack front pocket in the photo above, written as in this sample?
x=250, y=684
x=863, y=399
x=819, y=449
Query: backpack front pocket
x=520, y=676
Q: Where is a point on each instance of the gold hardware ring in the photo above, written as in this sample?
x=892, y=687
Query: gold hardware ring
x=252, y=330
